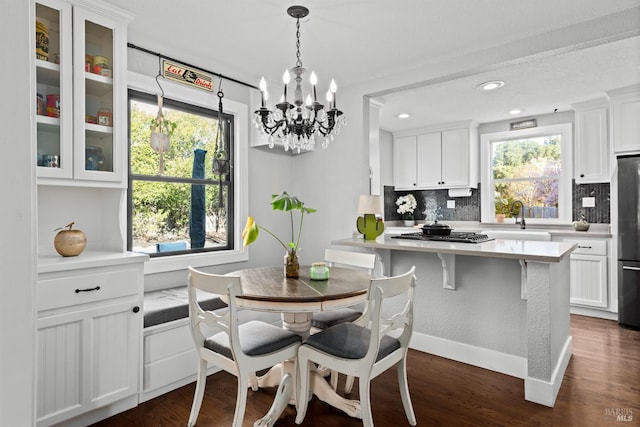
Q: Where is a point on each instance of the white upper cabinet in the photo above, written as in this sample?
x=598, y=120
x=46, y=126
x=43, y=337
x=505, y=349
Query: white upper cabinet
x=625, y=119
x=436, y=157
x=592, y=142
x=404, y=162
x=81, y=80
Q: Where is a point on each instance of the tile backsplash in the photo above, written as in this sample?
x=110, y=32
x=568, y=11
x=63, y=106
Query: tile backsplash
x=432, y=203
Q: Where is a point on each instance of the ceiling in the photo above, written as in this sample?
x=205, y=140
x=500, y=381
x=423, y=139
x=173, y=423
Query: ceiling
x=537, y=47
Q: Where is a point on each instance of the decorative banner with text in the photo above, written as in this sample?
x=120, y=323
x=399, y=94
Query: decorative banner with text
x=187, y=75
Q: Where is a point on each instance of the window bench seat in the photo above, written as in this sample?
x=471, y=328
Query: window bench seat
x=169, y=358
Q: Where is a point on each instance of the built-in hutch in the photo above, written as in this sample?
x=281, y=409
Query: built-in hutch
x=89, y=306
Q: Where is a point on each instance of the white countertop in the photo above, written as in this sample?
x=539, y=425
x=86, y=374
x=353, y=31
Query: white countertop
x=597, y=231
x=52, y=262
x=540, y=251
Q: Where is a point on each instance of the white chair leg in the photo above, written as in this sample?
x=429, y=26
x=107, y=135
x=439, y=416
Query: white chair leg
x=253, y=381
x=201, y=382
x=334, y=380
x=365, y=402
x=404, y=392
x=302, y=398
x=348, y=385
x=241, y=400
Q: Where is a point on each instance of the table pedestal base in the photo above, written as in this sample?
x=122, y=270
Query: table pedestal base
x=283, y=373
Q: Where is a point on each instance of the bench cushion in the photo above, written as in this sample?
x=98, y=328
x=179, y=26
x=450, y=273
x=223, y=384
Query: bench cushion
x=171, y=304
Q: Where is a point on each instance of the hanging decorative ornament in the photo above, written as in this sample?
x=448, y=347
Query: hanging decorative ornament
x=220, y=162
x=159, y=139
x=161, y=129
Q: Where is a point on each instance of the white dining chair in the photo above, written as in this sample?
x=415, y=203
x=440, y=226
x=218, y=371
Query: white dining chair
x=366, y=347
x=240, y=350
x=336, y=257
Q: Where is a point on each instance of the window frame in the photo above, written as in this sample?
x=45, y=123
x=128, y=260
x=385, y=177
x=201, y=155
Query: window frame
x=565, y=208
x=239, y=113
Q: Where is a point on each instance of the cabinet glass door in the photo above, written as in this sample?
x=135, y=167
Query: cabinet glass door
x=95, y=148
x=53, y=103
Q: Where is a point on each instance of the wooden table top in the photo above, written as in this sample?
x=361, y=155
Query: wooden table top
x=268, y=284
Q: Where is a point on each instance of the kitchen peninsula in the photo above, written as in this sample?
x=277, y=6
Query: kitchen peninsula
x=502, y=305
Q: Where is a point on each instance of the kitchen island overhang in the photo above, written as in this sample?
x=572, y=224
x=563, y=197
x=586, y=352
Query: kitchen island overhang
x=501, y=305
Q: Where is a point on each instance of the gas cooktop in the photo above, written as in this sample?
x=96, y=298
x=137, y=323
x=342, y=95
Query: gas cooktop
x=455, y=236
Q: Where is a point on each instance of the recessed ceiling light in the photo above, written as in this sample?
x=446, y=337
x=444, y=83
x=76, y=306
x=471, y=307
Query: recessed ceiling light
x=403, y=116
x=494, y=84
x=516, y=111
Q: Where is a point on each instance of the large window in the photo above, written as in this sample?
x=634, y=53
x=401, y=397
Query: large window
x=532, y=166
x=180, y=201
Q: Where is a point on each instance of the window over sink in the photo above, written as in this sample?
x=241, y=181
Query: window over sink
x=532, y=166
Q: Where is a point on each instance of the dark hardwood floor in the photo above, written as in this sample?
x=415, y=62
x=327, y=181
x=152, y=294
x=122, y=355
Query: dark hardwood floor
x=602, y=380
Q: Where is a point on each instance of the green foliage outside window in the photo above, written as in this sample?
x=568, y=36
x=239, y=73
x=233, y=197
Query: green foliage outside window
x=161, y=209
x=527, y=170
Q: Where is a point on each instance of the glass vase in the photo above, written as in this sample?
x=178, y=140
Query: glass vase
x=291, y=265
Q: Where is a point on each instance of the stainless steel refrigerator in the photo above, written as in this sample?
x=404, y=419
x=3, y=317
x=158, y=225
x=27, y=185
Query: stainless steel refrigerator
x=629, y=241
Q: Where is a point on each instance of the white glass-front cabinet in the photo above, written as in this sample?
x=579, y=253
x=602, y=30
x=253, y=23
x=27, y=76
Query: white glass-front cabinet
x=54, y=100
x=87, y=142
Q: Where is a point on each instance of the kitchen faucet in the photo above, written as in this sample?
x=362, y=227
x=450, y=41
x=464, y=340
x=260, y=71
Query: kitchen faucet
x=521, y=222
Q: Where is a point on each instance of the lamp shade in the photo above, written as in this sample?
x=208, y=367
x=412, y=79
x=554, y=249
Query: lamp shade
x=370, y=205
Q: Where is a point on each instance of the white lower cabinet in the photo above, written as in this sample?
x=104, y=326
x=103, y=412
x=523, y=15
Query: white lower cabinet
x=89, y=341
x=589, y=272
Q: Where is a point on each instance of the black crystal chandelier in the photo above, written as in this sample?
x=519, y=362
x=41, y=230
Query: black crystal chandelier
x=297, y=125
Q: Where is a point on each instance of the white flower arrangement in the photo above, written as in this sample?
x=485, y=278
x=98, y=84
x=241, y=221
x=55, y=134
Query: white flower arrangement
x=406, y=205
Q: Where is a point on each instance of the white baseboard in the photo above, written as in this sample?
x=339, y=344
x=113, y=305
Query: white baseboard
x=543, y=392
x=594, y=312
x=509, y=364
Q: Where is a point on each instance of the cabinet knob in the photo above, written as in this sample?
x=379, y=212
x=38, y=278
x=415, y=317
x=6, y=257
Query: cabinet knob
x=414, y=184
x=581, y=175
x=136, y=309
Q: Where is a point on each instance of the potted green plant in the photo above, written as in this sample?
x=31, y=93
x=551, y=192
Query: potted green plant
x=501, y=207
x=286, y=203
x=161, y=130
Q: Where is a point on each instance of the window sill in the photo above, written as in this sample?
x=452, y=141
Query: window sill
x=181, y=262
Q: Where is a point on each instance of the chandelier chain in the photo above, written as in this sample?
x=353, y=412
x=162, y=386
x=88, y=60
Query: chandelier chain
x=298, y=60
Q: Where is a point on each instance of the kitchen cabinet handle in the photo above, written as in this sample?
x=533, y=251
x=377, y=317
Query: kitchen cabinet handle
x=626, y=267
x=97, y=288
x=584, y=247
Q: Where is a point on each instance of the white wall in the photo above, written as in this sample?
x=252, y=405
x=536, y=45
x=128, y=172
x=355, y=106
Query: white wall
x=17, y=215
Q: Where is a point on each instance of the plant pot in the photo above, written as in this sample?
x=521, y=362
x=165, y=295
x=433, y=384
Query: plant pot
x=409, y=222
x=499, y=218
x=291, y=266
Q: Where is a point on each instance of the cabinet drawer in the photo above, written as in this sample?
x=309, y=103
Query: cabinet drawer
x=591, y=247
x=83, y=288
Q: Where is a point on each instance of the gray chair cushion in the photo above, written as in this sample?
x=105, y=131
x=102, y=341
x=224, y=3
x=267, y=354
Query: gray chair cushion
x=171, y=304
x=350, y=341
x=256, y=338
x=326, y=319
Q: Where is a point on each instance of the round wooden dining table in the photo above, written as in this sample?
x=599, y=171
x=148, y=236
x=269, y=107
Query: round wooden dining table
x=267, y=289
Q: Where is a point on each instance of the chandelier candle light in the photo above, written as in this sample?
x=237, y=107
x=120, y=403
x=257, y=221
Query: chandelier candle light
x=297, y=125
